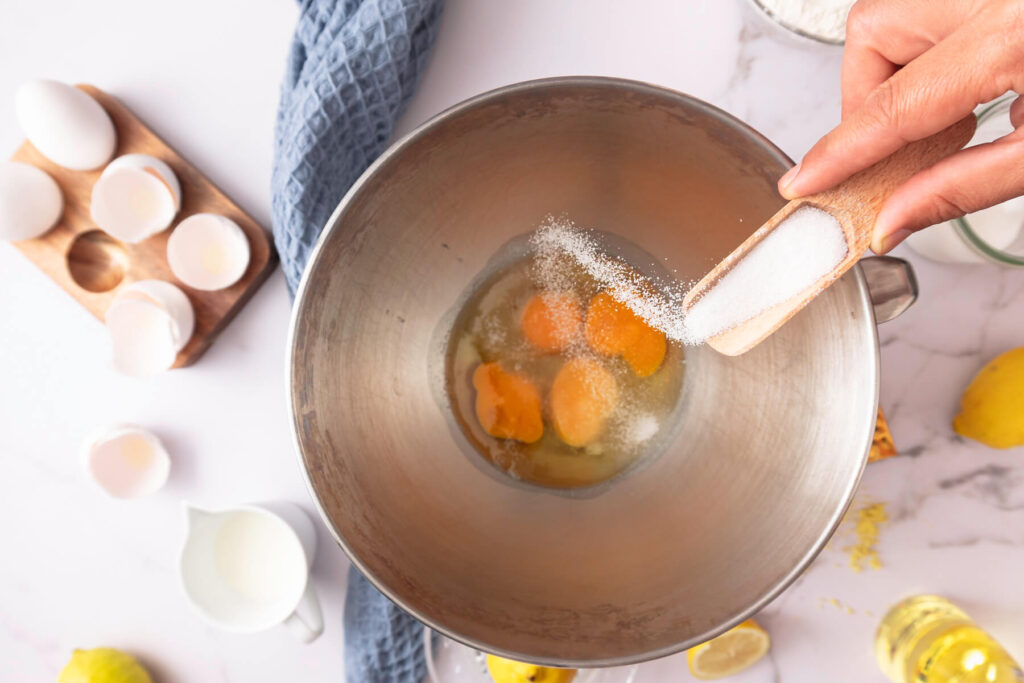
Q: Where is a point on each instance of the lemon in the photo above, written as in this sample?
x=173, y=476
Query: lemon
x=103, y=665
x=729, y=653
x=992, y=408
x=510, y=671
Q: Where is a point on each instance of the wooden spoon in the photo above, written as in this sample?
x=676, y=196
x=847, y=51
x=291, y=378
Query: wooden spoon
x=855, y=203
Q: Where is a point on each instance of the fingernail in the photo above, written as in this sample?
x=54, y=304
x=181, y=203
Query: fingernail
x=787, y=179
x=888, y=242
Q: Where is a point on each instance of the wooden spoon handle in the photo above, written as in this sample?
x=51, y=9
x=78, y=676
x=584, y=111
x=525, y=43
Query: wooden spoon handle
x=857, y=201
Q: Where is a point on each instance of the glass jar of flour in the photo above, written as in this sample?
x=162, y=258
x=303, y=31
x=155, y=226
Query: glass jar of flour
x=992, y=235
x=823, y=21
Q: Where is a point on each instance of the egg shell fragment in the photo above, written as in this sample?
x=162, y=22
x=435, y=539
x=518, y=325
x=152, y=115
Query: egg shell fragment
x=136, y=197
x=149, y=322
x=126, y=461
x=30, y=201
x=66, y=125
x=207, y=251
x=169, y=297
x=142, y=336
x=155, y=167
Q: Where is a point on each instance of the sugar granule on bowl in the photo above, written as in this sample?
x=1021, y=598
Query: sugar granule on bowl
x=642, y=428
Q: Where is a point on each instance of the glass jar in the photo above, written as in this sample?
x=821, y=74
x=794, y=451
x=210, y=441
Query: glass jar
x=928, y=639
x=992, y=235
x=789, y=28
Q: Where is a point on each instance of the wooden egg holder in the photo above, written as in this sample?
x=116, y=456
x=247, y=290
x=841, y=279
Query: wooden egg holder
x=92, y=266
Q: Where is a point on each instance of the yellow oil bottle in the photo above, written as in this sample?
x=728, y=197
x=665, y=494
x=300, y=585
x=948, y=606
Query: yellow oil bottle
x=927, y=639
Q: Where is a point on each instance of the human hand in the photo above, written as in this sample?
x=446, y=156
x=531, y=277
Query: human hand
x=910, y=69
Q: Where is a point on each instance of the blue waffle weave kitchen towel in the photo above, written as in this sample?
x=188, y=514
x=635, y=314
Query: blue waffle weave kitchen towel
x=352, y=67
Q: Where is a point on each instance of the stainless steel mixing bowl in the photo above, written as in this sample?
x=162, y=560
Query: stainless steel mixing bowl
x=769, y=445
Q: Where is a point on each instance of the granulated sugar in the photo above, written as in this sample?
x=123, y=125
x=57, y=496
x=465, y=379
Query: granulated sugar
x=642, y=428
x=799, y=251
x=660, y=307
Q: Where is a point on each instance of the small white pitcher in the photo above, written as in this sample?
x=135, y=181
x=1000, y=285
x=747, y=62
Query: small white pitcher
x=246, y=568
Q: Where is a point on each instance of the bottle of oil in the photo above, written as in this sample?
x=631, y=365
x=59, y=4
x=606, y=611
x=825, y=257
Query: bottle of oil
x=927, y=639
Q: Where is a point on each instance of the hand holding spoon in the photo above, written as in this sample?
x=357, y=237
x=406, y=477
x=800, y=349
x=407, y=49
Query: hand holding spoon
x=855, y=204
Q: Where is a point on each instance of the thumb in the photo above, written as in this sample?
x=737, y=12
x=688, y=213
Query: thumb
x=972, y=179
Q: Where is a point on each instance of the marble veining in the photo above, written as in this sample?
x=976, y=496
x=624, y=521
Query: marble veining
x=80, y=570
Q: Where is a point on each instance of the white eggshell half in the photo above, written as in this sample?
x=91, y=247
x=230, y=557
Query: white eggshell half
x=171, y=299
x=136, y=197
x=67, y=126
x=30, y=201
x=153, y=166
x=127, y=461
x=149, y=322
x=143, y=338
x=207, y=251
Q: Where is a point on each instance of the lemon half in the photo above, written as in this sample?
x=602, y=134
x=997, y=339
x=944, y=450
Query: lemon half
x=729, y=653
x=103, y=665
x=992, y=407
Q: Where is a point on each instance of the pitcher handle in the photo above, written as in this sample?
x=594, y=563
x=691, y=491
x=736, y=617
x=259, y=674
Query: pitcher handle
x=306, y=623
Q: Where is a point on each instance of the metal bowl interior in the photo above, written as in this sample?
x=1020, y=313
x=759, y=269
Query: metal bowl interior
x=769, y=445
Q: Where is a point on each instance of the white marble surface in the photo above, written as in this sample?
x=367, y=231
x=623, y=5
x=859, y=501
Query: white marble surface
x=78, y=570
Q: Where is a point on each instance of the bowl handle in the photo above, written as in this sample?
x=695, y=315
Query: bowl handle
x=892, y=285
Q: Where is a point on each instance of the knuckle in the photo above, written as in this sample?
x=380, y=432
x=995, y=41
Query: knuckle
x=885, y=108
x=1003, y=25
x=1015, y=141
x=946, y=204
x=860, y=23
x=832, y=146
x=1013, y=29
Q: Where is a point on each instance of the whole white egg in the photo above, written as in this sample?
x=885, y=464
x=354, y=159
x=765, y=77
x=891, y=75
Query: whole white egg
x=30, y=201
x=66, y=125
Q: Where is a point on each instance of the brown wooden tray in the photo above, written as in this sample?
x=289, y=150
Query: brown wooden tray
x=92, y=266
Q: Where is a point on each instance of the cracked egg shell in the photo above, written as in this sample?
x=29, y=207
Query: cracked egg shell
x=149, y=322
x=136, y=197
x=126, y=461
x=208, y=251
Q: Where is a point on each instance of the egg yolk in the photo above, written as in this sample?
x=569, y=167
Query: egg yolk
x=613, y=329
x=583, y=395
x=508, y=405
x=551, y=321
